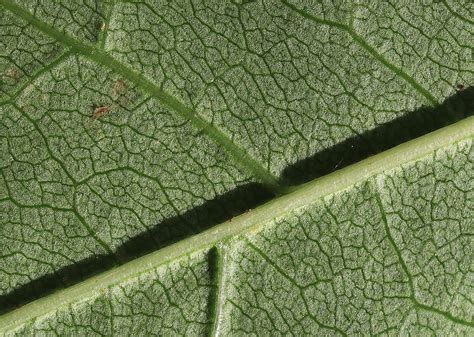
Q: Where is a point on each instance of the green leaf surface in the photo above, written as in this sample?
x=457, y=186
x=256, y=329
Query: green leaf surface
x=128, y=125
x=380, y=247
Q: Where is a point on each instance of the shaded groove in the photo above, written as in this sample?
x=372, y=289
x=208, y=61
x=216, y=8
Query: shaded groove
x=361, y=42
x=99, y=56
x=217, y=261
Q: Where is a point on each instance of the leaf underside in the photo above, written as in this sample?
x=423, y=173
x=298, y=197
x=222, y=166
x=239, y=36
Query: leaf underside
x=130, y=125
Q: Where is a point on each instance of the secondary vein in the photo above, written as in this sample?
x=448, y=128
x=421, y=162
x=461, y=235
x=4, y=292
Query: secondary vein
x=362, y=43
x=404, y=266
x=252, y=222
x=99, y=56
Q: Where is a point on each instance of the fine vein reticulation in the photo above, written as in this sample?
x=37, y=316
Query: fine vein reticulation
x=130, y=123
x=100, y=57
x=366, y=187
x=430, y=98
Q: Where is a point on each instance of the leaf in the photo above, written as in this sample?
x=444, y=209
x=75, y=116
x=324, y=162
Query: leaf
x=383, y=246
x=129, y=125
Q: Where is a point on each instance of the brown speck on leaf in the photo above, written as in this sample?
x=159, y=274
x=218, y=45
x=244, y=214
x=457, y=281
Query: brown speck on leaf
x=100, y=110
x=118, y=88
x=12, y=72
x=460, y=87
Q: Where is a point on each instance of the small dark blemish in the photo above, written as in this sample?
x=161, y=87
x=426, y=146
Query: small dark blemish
x=12, y=73
x=100, y=110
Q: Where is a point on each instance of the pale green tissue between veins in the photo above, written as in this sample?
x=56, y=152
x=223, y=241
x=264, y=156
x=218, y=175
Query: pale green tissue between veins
x=242, y=158
x=249, y=222
x=298, y=196
x=103, y=58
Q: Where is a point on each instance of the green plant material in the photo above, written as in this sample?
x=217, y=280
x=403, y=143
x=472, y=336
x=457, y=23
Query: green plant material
x=383, y=246
x=128, y=125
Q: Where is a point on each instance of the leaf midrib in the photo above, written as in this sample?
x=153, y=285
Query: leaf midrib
x=249, y=222
x=299, y=196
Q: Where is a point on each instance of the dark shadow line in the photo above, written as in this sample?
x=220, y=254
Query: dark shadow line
x=167, y=232
x=409, y=126
x=237, y=201
x=215, y=273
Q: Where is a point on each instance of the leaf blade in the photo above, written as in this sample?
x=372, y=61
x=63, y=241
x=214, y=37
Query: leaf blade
x=260, y=220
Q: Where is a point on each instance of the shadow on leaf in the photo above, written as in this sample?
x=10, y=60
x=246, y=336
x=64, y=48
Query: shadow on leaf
x=384, y=137
x=171, y=230
x=220, y=209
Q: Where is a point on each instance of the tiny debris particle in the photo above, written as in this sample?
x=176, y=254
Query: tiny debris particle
x=100, y=111
x=102, y=26
x=339, y=163
x=460, y=87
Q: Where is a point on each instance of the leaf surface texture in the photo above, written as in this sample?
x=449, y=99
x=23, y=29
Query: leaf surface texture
x=133, y=120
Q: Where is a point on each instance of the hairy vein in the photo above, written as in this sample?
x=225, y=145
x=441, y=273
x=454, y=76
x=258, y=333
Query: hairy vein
x=99, y=56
